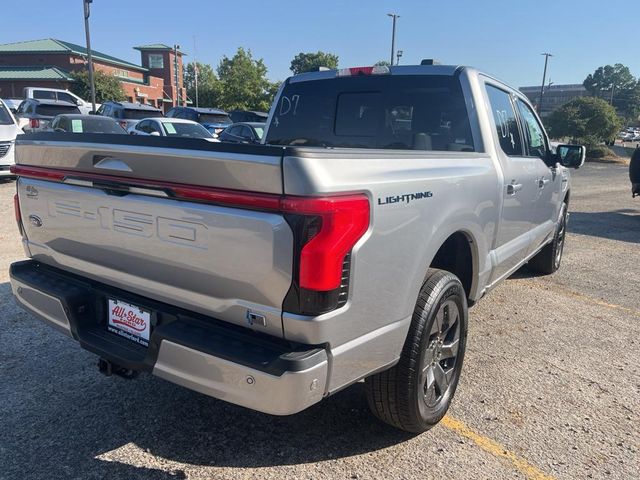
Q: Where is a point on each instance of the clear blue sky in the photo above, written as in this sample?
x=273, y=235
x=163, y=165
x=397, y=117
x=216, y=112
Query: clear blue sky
x=503, y=37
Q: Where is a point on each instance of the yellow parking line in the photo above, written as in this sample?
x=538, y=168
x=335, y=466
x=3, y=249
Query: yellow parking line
x=495, y=449
x=558, y=288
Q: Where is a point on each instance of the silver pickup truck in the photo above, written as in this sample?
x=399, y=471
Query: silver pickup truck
x=383, y=202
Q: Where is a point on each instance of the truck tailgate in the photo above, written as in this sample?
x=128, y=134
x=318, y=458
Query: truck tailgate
x=217, y=260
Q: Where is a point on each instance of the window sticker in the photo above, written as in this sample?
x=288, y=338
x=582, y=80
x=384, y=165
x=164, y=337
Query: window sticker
x=76, y=125
x=169, y=128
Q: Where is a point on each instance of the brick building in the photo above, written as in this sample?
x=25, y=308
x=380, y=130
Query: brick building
x=49, y=62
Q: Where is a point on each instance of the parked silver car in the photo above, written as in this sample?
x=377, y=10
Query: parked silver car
x=36, y=115
x=170, y=127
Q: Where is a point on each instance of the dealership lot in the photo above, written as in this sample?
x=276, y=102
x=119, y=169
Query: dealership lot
x=550, y=386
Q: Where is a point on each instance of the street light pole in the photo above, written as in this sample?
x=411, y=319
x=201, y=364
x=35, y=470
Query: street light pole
x=393, y=35
x=87, y=13
x=544, y=78
x=175, y=71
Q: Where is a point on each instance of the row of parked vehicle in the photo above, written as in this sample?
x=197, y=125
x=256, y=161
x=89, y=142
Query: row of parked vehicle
x=53, y=110
x=630, y=134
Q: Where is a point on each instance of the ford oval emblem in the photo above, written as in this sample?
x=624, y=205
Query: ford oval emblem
x=35, y=220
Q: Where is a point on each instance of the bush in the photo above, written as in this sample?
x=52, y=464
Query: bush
x=599, y=151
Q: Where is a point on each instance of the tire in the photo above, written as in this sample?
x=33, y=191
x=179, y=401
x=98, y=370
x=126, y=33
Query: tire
x=548, y=259
x=416, y=393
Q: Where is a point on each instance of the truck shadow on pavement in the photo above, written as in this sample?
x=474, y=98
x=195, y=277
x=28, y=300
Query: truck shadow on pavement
x=622, y=225
x=77, y=423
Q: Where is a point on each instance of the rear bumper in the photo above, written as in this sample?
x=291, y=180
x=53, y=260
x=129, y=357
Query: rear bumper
x=221, y=360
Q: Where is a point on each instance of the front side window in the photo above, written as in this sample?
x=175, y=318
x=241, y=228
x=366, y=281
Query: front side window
x=534, y=137
x=142, y=126
x=246, y=133
x=5, y=116
x=65, y=97
x=505, y=120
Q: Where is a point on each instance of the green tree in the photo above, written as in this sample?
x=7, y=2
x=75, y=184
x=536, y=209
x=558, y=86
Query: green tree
x=605, y=79
x=108, y=87
x=244, y=83
x=382, y=63
x=311, y=62
x=587, y=120
x=209, y=86
x=617, y=85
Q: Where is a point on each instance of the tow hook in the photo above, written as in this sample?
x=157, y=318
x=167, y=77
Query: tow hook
x=108, y=368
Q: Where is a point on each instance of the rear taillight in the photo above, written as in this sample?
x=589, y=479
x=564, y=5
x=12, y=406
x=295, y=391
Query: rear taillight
x=16, y=207
x=34, y=123
x=325, y=231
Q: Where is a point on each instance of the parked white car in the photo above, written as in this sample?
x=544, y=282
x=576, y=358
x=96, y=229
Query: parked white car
x=171, y=127
x=8, y=131
x=41, y=93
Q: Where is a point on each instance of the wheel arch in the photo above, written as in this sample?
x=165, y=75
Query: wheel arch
x=458, y=254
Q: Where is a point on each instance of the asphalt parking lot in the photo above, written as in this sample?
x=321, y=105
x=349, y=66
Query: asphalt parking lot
x=550, y=386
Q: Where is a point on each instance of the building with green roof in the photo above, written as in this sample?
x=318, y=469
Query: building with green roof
x=50, y=63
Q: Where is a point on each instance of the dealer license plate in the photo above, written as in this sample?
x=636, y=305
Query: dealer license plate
x=129, y=321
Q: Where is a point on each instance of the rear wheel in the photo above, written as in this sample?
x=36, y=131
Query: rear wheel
x=415, y=394
x=548, y=259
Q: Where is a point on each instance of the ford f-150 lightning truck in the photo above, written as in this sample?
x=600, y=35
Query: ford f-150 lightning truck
x=348, y=246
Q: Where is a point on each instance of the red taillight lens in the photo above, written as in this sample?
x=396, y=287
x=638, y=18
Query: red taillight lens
x=34, y=123
x=341, y=223
x=357, y=71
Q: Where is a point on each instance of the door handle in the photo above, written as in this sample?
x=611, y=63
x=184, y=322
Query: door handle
x=512, y=188
x=110, y=163
x=542, y=182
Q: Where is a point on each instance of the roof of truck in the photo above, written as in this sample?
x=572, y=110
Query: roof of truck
x=395, y=70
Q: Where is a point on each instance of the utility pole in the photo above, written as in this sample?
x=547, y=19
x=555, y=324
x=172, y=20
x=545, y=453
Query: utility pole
x=175, y=72
x=544, y=78
x=87, y=13
x=195, y=68
x=613, y=87
x=393, y=35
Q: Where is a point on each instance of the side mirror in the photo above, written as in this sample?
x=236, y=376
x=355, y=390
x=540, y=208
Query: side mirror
x=79, y=102
x=571, y=156
x=155, y=134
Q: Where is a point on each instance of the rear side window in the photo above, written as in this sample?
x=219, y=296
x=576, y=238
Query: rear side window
x=53, y=110
x=409, y=112
x=214, y=118
x=135, y=114
x=44, y=95
x=505, y=120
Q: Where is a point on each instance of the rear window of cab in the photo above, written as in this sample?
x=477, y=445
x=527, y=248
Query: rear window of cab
x=410, y=112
